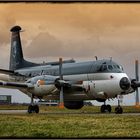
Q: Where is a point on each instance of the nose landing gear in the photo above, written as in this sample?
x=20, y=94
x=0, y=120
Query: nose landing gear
x=118, y=109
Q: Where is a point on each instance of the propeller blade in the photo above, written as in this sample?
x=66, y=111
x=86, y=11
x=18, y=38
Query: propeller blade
x=60, y=69
x=137, y=79
x=137, y=70
x=61, y=101
x=137, y=98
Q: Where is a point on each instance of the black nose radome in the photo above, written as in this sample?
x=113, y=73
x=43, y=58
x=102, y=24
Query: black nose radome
x=125, y=83
x=15, y=29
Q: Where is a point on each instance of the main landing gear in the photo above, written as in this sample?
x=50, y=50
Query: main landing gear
x=105, y=108
x=33, y=108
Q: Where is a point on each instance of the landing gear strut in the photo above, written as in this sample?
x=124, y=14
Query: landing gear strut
x=32, y=107
x=105, y=108
x=118, y=109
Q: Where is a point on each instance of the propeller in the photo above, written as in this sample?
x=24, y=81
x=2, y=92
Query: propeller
x=137, y=79
x=61, y=100
x=135, y=84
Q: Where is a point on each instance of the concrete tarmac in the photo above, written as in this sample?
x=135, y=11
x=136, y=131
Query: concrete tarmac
x=59, y=113
x=13, y=111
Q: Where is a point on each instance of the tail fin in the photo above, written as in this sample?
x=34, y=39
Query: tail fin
x=17, y=60
x=16, y=55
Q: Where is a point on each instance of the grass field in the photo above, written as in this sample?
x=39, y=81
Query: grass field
x=67, y=125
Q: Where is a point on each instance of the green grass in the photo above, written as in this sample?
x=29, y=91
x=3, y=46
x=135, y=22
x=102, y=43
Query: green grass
x=69, y=126
x=64, y=123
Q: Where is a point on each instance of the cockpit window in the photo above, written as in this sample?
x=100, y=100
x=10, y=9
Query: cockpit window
x=110, y=67
x=118, y=67
x=121, y=68
x=115, y=66
x=104, y=68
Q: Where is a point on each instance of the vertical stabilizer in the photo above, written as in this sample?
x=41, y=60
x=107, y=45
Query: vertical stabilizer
x=16, y=55
x=17, y=60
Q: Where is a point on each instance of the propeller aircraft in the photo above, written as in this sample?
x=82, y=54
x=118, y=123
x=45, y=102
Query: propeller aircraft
x=68, y=81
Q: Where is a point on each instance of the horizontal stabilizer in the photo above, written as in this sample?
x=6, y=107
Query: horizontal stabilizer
x=8, y=72
x=15, y=85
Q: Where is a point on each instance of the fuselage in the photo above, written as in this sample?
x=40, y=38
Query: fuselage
x=77, y=68
x=101, y=80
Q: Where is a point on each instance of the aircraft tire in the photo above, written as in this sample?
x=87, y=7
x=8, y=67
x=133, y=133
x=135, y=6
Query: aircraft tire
x=30, y=109
x=118, y=110
x=108, y=107
x=36, y=109
x=103, y=108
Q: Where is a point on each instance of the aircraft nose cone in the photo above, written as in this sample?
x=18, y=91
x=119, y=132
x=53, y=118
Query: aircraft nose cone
x=125, y=83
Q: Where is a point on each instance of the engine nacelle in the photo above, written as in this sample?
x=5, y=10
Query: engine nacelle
x=43, y=87
x=118, y=83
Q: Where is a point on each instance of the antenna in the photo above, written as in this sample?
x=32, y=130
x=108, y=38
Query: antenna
x=96, y=58
x=110, y=59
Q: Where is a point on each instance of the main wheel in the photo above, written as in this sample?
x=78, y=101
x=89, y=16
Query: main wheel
x=36, y=109
x=103, y=108
x=108, y=107
x=30, y=109
x=33, y=108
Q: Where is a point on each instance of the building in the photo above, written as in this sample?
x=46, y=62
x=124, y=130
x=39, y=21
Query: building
x=5, y=99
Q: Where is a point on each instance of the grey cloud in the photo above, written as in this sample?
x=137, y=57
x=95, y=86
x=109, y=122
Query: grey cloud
x=43, y=45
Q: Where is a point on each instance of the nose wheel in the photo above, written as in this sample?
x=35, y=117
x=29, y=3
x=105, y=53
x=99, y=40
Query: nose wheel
x=105, y=108
x=32, y=108
x=118, y=109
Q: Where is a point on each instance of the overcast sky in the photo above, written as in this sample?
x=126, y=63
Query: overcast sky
x=79, y=31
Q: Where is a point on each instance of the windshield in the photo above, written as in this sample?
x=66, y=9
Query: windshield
x=114, y=68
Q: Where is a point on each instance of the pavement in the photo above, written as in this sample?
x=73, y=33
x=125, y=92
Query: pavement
x=59, y=113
